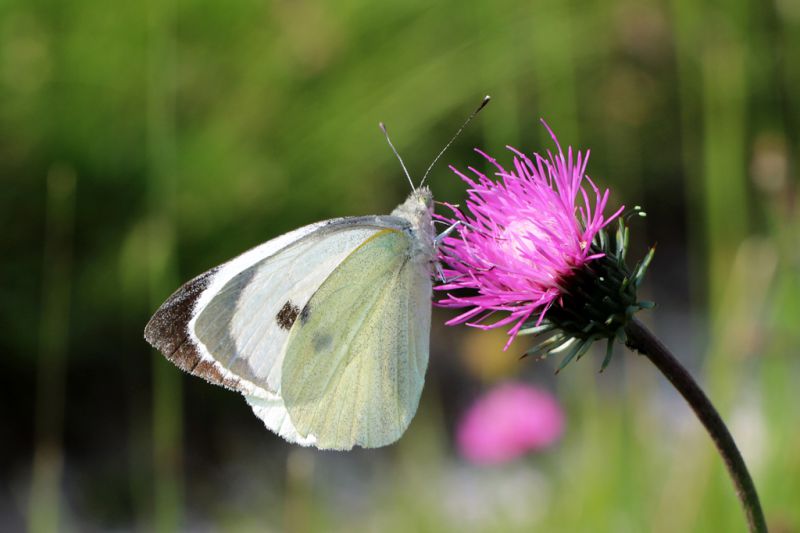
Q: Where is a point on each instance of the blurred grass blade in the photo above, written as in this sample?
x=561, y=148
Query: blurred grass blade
x=161, y=155
x=553, y=42
x=299, y=505
x=45, y=499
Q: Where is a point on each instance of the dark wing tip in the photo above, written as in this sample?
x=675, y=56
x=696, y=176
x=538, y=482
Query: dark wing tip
x=168, y=332
x=167, y=329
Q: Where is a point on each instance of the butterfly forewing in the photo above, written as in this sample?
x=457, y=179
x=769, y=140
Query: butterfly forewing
x=246, y=324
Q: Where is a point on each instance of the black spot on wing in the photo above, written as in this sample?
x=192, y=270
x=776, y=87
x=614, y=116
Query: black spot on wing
x=304, y=314
x=287, y=315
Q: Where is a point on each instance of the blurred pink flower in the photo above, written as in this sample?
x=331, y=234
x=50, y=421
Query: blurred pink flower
x=507, y=422
x=522, y=238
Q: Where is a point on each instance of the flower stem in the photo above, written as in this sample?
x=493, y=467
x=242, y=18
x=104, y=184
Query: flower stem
x=644, y=342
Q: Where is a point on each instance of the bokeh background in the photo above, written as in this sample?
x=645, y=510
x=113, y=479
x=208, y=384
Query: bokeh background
x=144, y=142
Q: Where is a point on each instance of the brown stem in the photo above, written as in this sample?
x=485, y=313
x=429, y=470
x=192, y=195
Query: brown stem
x=644, y=342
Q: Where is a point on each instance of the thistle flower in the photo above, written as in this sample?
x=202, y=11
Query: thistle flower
x=507, y=422
x=534, y=245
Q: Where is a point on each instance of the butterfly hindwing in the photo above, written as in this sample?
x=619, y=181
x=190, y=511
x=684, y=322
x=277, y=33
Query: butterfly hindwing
x=356, y=356
x=272, y=411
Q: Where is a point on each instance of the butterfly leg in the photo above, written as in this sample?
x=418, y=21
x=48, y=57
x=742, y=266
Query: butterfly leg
x=439, y=271
x=450, y=229
x=438, y=240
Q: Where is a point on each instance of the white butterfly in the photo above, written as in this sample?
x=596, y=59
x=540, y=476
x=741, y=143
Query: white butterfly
x=324, y=330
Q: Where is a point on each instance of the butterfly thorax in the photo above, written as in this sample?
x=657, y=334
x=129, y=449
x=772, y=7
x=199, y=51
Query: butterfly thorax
x=418, y=210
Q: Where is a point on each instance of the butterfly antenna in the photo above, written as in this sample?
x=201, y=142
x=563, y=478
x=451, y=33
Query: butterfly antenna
x=386, y=133
x=464, y=125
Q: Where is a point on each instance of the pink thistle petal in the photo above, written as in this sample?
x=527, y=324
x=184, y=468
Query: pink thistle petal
x=522, y=236
x=464, y=316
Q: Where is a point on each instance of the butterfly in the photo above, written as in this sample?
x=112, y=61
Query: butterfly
x=324, y=330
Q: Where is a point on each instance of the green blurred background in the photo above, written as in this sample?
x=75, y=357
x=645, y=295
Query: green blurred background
x=142, y=143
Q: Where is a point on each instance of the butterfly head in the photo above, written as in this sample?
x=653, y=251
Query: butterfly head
x=418, y=211
x=423, y=197
x=417, y=208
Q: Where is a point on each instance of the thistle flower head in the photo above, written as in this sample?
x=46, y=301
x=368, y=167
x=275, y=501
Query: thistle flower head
x=533, y=246
x=507, y=422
